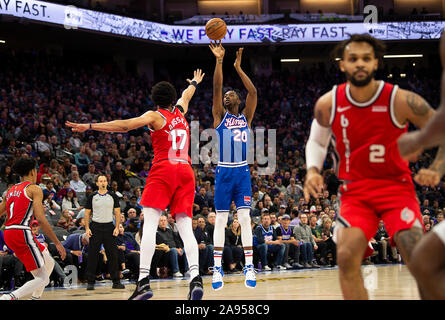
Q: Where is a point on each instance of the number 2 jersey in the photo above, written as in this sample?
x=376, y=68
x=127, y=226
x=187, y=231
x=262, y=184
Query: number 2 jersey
x=365, y=136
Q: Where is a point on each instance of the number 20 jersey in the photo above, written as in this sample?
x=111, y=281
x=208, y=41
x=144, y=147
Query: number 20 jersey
x=365, y=135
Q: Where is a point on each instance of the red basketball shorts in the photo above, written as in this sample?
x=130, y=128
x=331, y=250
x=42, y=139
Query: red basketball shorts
x=364, y=203
x=170, y=183
x=26, y=247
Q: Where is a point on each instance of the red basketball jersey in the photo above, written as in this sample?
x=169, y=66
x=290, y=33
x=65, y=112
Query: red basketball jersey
x=18, y=205
x=365, y=135
x=172, y=141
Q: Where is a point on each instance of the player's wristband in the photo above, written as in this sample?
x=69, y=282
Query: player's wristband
x=194, y=83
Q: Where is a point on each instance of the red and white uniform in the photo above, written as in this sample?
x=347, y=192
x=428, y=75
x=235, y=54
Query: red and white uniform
x=171, y=180
x=377, y=181
x=18, y=235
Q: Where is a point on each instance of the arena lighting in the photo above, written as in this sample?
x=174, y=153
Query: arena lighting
x=2, y=41
x=389, y=56
x=390, y=76
x=290, y=60
x=403, y=75
x=337, y=59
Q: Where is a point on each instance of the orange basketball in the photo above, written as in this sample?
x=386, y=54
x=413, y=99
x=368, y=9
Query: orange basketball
x=216, y=29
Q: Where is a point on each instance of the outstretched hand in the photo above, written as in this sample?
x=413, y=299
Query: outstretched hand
x=197, y=76
x=217, y=49
x=239, y=55
x=78, y=127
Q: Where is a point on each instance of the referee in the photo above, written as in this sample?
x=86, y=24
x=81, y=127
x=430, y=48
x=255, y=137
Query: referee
x=102, y=204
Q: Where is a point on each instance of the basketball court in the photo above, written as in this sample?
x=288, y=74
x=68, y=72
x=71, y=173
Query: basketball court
x=384, y=282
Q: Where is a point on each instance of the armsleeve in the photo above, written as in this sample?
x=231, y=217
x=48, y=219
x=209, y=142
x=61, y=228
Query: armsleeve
x=317, y=145
x=180, y=108
x=116, y=201
x=89, y=203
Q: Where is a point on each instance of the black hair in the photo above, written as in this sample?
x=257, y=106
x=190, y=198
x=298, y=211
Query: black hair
x=24, y=165
x=163, y=94
x=378, y=45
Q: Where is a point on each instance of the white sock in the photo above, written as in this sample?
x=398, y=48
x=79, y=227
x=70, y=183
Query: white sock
x=219, y=236
x=246, y=234
x=49, y=266
x=184, y=224
x=148, y=241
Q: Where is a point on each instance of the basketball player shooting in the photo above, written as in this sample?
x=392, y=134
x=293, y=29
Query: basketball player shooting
x=366, y=117
x=428, y=257
x=232, y=178
x=171, y=180
x=23, y=201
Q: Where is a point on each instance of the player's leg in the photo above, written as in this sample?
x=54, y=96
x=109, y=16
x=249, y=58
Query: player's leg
x=29, y=252
x=147, y=250
x=49, y=266
x=182, y=209
x=428, y=263
x=242, y=198
x=223, y=198
x=351, y=246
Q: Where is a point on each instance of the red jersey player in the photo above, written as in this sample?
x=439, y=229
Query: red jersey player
x=171, y=180
x=23, y=201
x=366, y=117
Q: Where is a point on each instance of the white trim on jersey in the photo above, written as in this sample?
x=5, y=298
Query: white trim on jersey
x=222, y=120
x=232, y=164
x=369, y=102
x=17, y=226
x=24, y=192
x=165, y=120
x=391, y=109
x=33, y=247
x=334, y=105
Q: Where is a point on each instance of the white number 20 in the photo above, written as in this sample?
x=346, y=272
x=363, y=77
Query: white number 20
x=376, y=153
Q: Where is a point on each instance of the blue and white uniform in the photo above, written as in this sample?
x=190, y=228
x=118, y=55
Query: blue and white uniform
x=232, y=178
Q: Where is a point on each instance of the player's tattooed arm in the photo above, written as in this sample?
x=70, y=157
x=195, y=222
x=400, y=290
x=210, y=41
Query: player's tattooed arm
x=323, y=109
x=410, y=107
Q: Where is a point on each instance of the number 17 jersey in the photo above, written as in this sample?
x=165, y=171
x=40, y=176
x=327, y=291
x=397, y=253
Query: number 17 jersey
x=365, y=135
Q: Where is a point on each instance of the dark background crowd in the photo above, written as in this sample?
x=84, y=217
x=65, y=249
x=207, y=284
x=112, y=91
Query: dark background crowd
x=39, y=92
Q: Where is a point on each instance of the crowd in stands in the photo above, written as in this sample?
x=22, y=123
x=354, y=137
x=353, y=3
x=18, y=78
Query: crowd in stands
x=38, y=94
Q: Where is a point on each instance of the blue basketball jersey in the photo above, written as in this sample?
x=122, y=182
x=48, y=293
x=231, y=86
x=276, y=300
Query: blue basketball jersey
x=233, y=140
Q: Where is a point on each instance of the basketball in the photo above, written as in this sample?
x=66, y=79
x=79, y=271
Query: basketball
x=216, y=29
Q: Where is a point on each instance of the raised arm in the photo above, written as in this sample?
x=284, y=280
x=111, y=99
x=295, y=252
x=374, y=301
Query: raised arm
x=187, y=94
x=217, y=108
x=251, y=100
x=151, y=119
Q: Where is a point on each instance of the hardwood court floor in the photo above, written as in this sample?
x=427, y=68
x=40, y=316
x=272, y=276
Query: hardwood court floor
x=384, y=282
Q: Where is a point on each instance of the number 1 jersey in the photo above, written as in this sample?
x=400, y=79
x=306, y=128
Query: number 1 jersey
x=365, y=135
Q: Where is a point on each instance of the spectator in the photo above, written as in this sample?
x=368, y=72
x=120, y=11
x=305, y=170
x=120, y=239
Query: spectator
x=273, y=220
x=131, y=214
x=76, y=246
x=90, y=176
x=82, y=160
x=118, y=175
x=129, y=252
x=267, y=242
x=205, y=250
x=331, y=248
x=233, y=251
x=133, y=204
x=70, y=202
x=303, y=233
x=66, y=220
x=176, y=252
x=77, y=184
x=383, y=241
x=202, y=200
x=285, y=234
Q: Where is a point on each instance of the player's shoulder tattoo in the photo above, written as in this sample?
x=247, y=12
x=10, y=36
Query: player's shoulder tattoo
x=417, y=104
